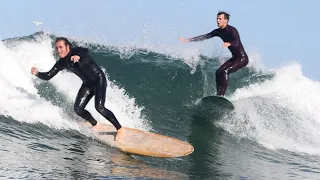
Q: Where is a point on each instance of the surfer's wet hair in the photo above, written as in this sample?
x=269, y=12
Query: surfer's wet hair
x=226, y=15
x=65, y=40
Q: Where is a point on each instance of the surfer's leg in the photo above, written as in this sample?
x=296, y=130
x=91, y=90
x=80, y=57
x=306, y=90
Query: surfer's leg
x=100, y=97
x=231, y=66
x=83, y=97
x=221, y=80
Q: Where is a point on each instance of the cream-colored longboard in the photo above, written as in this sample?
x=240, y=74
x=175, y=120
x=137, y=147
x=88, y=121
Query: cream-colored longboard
x=145, y=143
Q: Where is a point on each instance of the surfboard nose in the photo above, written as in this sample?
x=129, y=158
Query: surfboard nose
x=190, y=150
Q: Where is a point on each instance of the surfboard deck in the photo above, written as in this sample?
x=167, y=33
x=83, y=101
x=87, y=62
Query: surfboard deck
x=145, y=143
x=219, y=101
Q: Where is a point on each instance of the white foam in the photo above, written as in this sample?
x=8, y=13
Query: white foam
x=19, y=98
x=18, y=95
x=281, y=113
x=190, y=53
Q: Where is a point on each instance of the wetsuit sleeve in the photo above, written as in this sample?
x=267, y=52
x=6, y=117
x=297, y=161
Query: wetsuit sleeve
x=50, y=74
x=204, y=37
x=236, y=37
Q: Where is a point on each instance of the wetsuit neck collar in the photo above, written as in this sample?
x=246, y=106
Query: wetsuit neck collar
x=225, y=27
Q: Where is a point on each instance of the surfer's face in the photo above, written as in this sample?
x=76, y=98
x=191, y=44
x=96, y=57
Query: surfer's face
x=62, y=49
x=221, y=21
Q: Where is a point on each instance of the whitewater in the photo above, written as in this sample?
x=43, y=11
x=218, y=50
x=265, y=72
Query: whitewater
x=21, y=100
x=275, y=124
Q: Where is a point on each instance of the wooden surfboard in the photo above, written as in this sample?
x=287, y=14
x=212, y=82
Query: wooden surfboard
x=145, y=143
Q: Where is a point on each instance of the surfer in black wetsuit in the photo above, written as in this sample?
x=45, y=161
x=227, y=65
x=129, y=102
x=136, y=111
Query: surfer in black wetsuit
x=231, y=39
x=78, y=61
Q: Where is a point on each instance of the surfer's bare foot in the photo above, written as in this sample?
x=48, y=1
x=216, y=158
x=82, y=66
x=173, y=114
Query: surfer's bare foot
x=97, y=127
x=120, y=134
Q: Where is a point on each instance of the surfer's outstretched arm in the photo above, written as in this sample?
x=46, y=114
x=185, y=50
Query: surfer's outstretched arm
x=50, y=74
x=201, y=37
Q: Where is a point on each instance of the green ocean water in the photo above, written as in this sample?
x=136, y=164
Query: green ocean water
x=267, y=136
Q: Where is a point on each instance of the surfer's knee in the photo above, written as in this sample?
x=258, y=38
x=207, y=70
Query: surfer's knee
x=243, y=62
x=103, y=110
x=100, y=108
x=218, y=72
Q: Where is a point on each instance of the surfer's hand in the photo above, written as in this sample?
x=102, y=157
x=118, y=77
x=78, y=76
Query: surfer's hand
x=184, y=40
x=226, y=44
x=34, y=71
x=75, y=58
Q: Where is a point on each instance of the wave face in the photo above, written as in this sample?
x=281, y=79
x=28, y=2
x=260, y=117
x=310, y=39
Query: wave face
x=279, y=113
x=154, y=90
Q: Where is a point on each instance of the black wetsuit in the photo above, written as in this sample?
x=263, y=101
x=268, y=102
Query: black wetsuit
x=94, y=84
x=239, y=57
